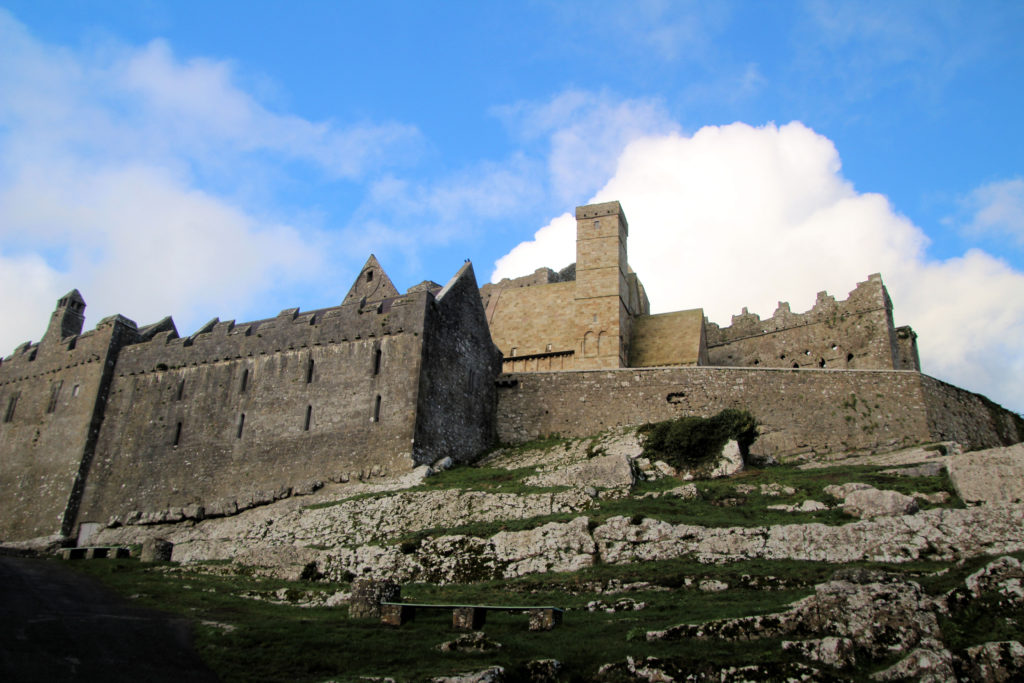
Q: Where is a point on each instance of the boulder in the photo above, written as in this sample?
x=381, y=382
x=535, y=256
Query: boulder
x=603, y=471
x=729, y=463
x=869, y=503
x=996, y=661
x=993, y=477
x=928, y=663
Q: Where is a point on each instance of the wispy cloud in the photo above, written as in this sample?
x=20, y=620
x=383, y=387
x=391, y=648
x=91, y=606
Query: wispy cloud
x=120, y=169
x=996, y=208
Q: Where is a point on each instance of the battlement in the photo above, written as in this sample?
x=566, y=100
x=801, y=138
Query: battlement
x=855, y=333
x=866, y=297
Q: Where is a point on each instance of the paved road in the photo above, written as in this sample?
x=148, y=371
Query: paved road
x=56, y=625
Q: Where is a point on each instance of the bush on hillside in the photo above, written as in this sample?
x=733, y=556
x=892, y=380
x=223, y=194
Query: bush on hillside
x=689, y=442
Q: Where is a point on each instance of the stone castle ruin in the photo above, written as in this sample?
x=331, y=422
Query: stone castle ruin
x=124, y=424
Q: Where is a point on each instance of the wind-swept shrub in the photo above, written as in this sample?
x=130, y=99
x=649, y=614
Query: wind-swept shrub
x=689, y=442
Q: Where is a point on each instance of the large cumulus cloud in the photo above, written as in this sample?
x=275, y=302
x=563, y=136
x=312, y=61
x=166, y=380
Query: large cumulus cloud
x=737, y=215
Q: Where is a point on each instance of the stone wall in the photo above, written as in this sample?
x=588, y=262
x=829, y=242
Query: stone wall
x=51, y=410
x=800, y=410
x=238, y=412
x=457, y=397
x=857, y=333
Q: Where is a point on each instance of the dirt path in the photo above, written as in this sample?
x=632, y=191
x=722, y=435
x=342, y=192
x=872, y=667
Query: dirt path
x=56, y=625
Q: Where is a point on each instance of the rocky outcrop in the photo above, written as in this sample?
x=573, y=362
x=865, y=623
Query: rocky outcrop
x=863, y=618
x=994, y=476
x=606, y=471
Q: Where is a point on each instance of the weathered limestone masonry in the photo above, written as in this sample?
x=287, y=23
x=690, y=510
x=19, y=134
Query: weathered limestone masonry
x=237, y=414
x=52, y=397
x=855, y=333
x=801, y=411
x=581, y=317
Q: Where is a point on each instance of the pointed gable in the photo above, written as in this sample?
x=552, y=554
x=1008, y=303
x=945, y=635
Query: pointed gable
x=372, y=285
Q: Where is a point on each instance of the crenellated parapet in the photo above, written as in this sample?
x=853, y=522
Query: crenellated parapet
x=857, y=332
x=868, y=296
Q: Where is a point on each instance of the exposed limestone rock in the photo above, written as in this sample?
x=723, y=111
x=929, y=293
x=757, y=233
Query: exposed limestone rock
x=607, y=471
x=684, y=492
x=880, y=619
x=928, y=663
x=996, y=661
x=493, y=674
x=470, y=642
x=1003, y=576
x=870, y=503
x=994, y=476
x=729, y=463
x=841, y=491
x=830, y=651
x=806, y=506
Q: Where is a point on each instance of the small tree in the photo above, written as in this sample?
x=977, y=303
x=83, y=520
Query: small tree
x=689, y=442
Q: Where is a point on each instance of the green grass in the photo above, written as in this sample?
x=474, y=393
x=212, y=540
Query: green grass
x=282, y=642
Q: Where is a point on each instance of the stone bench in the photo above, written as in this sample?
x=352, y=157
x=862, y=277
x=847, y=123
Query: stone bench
x=470, y=617
x=95, y=553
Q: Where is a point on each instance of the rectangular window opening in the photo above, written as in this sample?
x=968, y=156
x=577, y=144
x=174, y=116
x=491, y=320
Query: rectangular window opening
x=376, y=361
x=309, y=418
x=376, y=409
x=245, y=380
x=177, y=434
x=54, y=395
x=12, y=403
x=309, y=372
x=241, y=425
x=181, y=389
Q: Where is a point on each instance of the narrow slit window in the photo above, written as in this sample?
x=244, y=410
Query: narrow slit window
x=309, y=418
x=309, y=372
x=241, y=425
x=369, y=276
x=376, y=409
x=245, y=380
x=54, y=396
x=74, y=390
x=177, y=434
x=376, y=361
x=181, y=389
x=12, y=403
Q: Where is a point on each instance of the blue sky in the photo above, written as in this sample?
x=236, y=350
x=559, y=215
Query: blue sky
x=232, y=159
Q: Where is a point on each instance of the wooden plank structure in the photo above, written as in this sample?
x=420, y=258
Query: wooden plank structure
x=471, y=617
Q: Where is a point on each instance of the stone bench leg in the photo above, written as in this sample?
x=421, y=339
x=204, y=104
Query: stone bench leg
x=396, y=615
x=468, y=618
x=544, y=619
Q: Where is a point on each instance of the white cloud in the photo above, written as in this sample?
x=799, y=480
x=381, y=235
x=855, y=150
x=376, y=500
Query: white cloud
x=737, y=216
x=107, y=160
x=997, y=208
x=586, y=132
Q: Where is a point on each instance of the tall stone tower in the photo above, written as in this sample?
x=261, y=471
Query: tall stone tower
x=67, y=319
x=602, y=321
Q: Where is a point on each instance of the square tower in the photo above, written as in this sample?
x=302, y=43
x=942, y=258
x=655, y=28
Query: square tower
x=601, y=318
